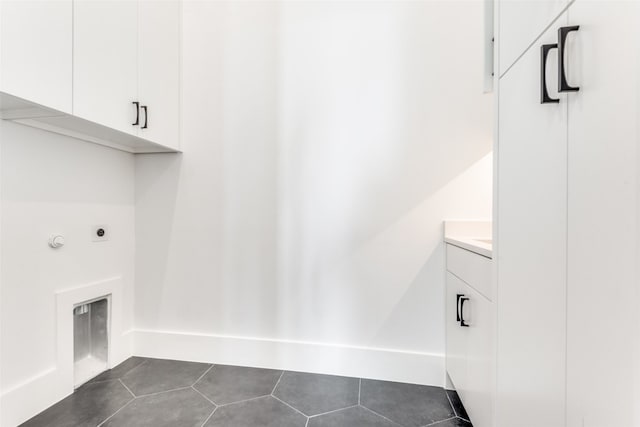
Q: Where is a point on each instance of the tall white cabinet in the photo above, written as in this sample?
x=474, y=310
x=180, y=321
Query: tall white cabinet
x=603, y=144
x=567, y=225
x=532, y=245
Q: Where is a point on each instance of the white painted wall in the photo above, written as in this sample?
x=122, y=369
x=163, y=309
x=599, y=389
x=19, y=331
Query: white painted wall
x=55, y=184
x=324, y=143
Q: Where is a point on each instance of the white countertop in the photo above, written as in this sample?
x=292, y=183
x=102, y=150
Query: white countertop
x=474, y=236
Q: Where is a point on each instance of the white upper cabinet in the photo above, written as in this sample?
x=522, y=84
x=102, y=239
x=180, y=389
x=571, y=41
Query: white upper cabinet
x=521, y=23
x=36, y=51
x=105, y=62
x=159, y=71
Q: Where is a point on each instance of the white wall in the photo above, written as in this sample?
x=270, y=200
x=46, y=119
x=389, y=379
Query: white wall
x=55, y=184
x=324, y=143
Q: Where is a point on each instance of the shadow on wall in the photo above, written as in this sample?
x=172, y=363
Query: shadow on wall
x=320, y=158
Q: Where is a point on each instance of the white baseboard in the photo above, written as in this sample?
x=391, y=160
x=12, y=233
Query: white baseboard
x=351, y=361
x=49, y=387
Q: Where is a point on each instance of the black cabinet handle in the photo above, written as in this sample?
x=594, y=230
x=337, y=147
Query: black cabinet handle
x=137, y=122
x=458, y=296
x=563, y=86
x=462, y=322
x=544, y=93
x=146, y=116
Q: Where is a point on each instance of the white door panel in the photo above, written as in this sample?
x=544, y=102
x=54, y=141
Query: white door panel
x=603, y=145
x=531, y=238
x=105, y=74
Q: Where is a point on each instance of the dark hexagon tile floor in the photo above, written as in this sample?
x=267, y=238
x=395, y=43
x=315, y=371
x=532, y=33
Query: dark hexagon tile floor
x=144, y=392
x=356, y=416
x=314, y=394
x=156, y=375
x=409, y=405
x=87, y=407
x=263, y=411
x=227, y=384
x=120, y=370
x=456, y=403
x=179, y=408
x=452, y=422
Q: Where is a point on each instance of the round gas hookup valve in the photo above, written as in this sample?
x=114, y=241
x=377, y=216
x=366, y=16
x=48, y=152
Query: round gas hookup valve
x=56, y=241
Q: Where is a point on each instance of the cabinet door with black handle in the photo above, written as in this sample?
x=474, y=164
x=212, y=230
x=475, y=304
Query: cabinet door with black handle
x=105, y=68
x=456, y=341
x=159, y=71
x=532, y=202
x=603, y=119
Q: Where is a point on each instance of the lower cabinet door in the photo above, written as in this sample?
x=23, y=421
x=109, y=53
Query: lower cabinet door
x=456, y=359
x=477, y=393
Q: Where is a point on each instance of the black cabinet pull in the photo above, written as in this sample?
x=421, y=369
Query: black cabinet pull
x=137, y=122
x=563, y=86
x=462, y=322
x=146, y=116
x=544, y=93
x=458, y=296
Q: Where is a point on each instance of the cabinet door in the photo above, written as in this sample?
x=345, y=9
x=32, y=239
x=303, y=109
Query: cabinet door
x=456, y=358
x=531, y=242
x=36, y=43
x=159, y=70
x=602, y=59
x=521, y=22
x=477, y=394
x=105, y=74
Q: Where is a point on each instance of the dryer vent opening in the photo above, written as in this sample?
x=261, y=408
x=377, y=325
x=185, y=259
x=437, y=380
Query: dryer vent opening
x=90, y=339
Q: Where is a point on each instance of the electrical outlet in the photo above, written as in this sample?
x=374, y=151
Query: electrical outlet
x=100, y=233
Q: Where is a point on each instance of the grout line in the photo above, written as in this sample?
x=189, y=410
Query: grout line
x=243, y=401
x=128, y=389
x=359, y=389
x=274, y=387
x=203, y=395
x=335, y=410
x=380, y=415
x=134, y=368
x=165, y=391
x=441, y=421
x=209, y=417
x=282, y=401
x=95, y=380
x=202, y=376
x=455, y=413
x=114, y=414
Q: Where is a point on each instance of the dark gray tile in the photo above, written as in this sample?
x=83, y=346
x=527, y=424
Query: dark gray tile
x=262, y=412
x=180, y=408
x=351, y=417
x=90, y=405
x=406, y=404
x=458, y=407
x=315, y=394
x=453, y=422
x=156, y=375
x=227, y=384
x=120, y=370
